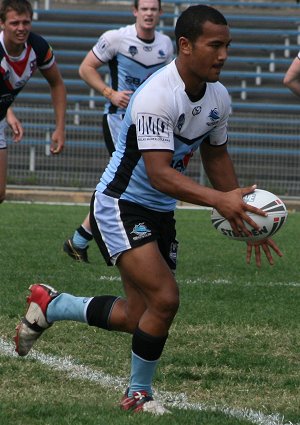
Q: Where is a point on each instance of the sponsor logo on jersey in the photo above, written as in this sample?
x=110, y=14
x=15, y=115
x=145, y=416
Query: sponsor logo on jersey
x=180, y=122
x=48, y=55
x=147, y=48
x=196, y=110
x=153, y=127
x=132, y=81
x=181, y=164
x=20, y=83
x=140, y=231
x=133, y=50
x=213, y=116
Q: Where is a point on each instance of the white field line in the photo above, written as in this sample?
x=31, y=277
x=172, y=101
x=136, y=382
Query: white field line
x=180, y=400
x=201, y=281
x=86, y=204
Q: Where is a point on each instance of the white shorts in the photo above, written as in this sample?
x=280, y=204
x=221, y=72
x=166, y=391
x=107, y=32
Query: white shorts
x=111, y=130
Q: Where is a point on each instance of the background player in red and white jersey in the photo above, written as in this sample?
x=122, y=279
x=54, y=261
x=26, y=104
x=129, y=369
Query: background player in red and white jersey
x=21, y=53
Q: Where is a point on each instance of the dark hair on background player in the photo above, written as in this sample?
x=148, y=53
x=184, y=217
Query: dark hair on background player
x=190, y=22
x=136, y=4
x=20, y=6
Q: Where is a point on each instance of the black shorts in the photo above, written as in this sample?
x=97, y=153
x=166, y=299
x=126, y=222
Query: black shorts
x=119, y=225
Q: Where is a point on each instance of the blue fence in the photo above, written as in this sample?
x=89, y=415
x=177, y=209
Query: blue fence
x=263, y=129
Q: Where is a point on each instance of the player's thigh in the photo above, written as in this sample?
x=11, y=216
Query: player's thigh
x=135, y=305
x=145, y=269
x=3, y=171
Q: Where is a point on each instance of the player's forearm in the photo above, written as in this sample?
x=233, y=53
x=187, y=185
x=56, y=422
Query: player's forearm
x=183, y=188
x=221, y=174
x=93, y=79
x=59, y=101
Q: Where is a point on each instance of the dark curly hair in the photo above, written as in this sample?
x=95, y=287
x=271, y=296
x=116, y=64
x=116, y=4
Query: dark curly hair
x=190, y=22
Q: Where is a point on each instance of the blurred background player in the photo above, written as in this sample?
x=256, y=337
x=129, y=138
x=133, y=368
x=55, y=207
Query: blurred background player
x=21, y=53
x=178, y=110
x=132, y=53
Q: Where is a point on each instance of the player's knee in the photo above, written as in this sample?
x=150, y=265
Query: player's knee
x=167, y=305
x=132, y=322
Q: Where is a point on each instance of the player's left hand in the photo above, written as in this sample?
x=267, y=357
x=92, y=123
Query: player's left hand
x=58, y=141
x=259, y=246
x=16, y=127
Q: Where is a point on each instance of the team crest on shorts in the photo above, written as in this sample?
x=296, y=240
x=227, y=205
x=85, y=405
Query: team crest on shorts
x=140, y=231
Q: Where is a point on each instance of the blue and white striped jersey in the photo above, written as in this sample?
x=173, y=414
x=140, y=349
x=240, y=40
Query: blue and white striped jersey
x=160, y=116
x=130, y=59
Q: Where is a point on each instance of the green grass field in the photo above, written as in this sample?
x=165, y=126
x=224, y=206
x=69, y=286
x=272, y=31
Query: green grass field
x=233, y=355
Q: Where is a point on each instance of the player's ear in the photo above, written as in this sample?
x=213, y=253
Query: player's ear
x=185, y=45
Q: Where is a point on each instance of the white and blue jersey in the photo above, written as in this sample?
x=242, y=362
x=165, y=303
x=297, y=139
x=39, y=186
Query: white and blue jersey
x=161, y=116
x=130, y=59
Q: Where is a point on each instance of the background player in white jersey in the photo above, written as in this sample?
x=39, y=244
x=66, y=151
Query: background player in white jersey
x=179, y=109
x=21, y=53
x=132, y=53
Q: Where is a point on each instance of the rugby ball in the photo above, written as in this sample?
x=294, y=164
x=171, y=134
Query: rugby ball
x=269, y=225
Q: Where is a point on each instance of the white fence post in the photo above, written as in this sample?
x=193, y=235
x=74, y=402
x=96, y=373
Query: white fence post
x=258, y=75
x=92, y=101
x=32, y=158
x=272, y=62
x=287, y=51
x=76, y=116
x=243, y=91
x=35, y=15
x=48, y=143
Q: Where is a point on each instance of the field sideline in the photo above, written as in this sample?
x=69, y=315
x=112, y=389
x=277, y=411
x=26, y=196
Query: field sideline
x=233, y=353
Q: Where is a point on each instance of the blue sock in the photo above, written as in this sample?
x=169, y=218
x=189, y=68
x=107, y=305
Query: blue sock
x=142, y=372
x=67, y=307
x=79, y=240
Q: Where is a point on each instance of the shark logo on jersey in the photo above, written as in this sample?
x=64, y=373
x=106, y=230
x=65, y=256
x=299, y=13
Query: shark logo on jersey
x=196, y=110
x=180, y=122
x=214, y=117
x=140, y=231
x=133, y=50
x=161, y=54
